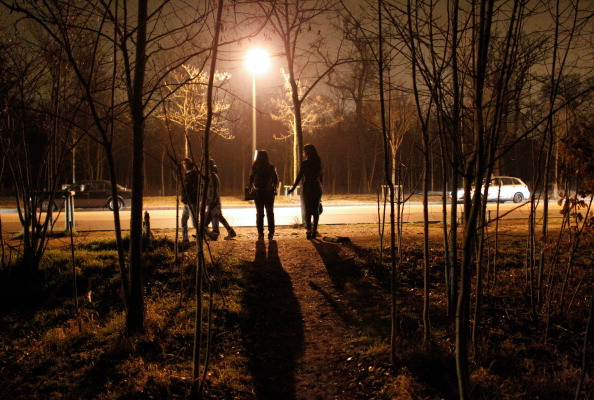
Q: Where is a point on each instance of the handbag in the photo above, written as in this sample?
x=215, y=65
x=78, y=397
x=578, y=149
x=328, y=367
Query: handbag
x=249, y=193
x=320, y=209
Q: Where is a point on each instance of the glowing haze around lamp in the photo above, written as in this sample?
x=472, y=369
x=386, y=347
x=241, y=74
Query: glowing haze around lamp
x=257, y=62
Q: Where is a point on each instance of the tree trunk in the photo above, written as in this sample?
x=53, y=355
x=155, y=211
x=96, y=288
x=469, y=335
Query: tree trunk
x=197, y=378
x=388, y=178
x=135, y=316
x=426, y=178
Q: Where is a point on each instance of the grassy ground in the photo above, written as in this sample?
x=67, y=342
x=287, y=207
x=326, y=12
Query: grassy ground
x=293, y=319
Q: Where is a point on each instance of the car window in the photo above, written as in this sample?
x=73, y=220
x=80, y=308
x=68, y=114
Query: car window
x=495, y=182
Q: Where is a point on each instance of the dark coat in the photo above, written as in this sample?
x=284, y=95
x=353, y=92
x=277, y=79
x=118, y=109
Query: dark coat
x=264, y=181
x=312, y=175
x=190, y=189
x=213, y=197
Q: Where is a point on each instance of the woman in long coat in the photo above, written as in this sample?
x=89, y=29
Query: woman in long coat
x=312, y=174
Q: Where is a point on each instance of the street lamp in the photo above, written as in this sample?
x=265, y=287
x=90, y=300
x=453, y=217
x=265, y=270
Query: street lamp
x=257, y=62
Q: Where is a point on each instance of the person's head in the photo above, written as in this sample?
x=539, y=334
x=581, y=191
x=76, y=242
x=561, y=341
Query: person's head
x=188, y=164
x=262, y=158
x=310, y=152
x=212, y=166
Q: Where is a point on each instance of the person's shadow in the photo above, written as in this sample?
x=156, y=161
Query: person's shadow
x=366, y=306
x=271, y=324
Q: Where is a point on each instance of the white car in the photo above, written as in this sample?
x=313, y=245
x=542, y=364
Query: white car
x=503, y=188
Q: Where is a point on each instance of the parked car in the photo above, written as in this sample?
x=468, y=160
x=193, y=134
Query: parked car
x=91, y=194
x=97, y=194
x=503, y=188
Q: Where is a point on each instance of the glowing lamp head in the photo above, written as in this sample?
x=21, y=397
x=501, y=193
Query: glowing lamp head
x=257, y=61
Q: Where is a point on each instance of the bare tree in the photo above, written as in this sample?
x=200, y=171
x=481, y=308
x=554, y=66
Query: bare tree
x=355, y=82
x=126, y=42
x=293, y=23
x=35, y=140
x=390, y=184
x=317, y=111
x=476, y=44
x=187, y=106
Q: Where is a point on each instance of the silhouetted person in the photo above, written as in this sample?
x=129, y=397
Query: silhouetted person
x=189, y=196
x=311, y=173
x=264, y=183
x=214, y=213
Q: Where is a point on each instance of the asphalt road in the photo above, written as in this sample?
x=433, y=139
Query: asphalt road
x=161, y=218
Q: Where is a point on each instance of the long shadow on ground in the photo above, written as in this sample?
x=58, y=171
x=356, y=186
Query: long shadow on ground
x=366, y=291
x=367, y=306
x=271, y=324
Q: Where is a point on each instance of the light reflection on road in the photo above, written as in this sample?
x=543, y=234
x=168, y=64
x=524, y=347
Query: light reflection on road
x=88, y=220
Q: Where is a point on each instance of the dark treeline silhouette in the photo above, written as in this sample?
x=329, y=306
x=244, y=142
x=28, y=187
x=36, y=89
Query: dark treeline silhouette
x=351, y=165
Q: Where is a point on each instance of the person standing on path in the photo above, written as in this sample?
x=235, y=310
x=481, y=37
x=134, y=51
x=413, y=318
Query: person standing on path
x=214, y=213
x=264, y=185
x=312, y=174
x=189, y=196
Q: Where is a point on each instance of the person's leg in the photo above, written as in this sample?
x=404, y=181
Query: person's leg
x=315, y=212
x=260, y=217
x=303, y=198
x=192, y=212
x=314, y=231
x=207, y=217
x=306, y=196
x=184, y=222
x=207, y=221
x=308, y=231
x=224, y=221
x=214, y=213
x=311, y=209
x=270, y=216
x=230, y=231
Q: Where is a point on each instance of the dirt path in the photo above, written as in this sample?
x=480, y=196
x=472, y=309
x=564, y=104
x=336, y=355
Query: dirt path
x=298, y=328
x=326, y=335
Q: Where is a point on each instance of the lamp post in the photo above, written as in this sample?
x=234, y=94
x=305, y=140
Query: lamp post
x=257, y=62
